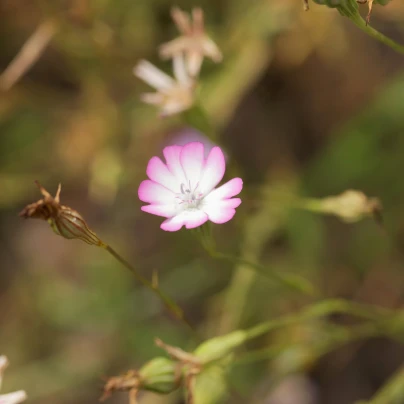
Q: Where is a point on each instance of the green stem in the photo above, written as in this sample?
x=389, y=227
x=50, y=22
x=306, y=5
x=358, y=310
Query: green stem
x=290, y=281
x=391, y=392
x=322, y=309
x=168, y=302
x=319, y=349
x=360, y=23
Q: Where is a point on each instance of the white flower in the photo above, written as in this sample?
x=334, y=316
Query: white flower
x=183, y=189
x=172, y=95
x=193, y=42
x=11, y=398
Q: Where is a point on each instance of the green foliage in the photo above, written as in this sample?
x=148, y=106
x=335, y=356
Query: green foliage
x=211, y=385
x=305, y=108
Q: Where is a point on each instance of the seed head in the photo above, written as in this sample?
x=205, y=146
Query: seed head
x=64, y=221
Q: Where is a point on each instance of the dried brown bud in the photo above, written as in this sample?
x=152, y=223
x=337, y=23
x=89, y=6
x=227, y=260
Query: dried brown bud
x=129, y=381
x=160, y=375
x=65, y=221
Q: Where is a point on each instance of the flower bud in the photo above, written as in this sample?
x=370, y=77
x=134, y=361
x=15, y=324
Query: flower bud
x=350, y=206
x=160, y=375
x=65, y=221
x=70, y=224
x=348, y=8
x=219, y=347
x=210, y=385
x=331, y=3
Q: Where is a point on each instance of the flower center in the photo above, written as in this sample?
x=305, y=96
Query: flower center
x=190, y=197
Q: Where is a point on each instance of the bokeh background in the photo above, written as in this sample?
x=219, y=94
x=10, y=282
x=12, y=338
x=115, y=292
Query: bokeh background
x=304, y=104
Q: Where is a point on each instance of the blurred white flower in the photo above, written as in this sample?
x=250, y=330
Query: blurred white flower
x=11, y=398
x=193, y=42
x=3, y=366
x=173, y=95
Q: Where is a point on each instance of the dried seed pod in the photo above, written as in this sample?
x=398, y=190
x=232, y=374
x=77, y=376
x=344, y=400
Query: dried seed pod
x=64, y=221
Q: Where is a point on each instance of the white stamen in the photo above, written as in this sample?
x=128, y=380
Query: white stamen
x=189, y=196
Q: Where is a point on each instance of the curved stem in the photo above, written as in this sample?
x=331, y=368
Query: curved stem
x=290, y=281
x=360, y=23
x=168, y=302
x=345, y=335
x=322, y=309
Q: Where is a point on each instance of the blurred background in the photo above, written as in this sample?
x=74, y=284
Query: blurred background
x=304, y=104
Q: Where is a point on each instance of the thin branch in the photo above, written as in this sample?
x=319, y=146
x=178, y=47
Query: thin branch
x=28, y=55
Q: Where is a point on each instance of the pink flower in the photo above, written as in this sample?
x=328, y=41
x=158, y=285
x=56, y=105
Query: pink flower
x=183, y=190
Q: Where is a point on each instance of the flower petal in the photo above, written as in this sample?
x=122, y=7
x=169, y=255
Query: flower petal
x=211, y=50
x=169, y=49
x=172, y=107
x=231, y=188
x=213, y=171
x=172, y=156
x=151, y=192
x=158, y=172
x=180, y=70
x=194, y=62
x=190, y=219
x=181, y=20
x=161, y=210
x=3, y=364
x=153, y=76
x=152, y=98
x=221, y=211
x=198, y=20
x=192, y=159
x=13, y=398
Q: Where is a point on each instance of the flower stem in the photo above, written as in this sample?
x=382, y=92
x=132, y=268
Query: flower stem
x=290, y=281
x=350, y=9
x=168, y=302
x=322, y=309
x=360, y=23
